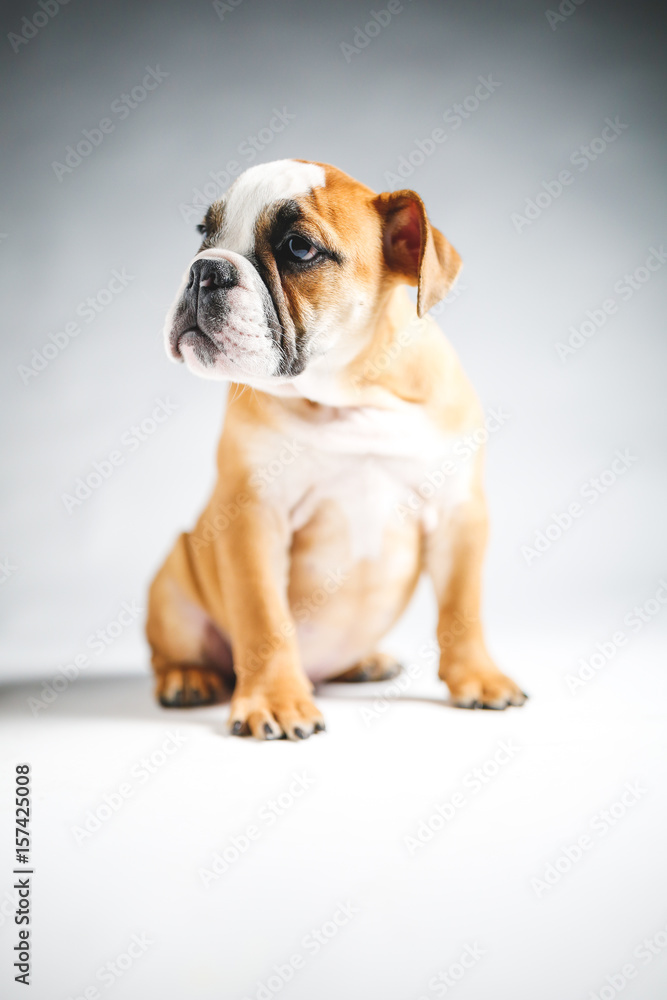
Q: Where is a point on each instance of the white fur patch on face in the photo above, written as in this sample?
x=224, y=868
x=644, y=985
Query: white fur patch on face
x=256, y=189
x=247, y=348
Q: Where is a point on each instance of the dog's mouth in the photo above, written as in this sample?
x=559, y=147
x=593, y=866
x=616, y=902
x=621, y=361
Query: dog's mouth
x=193, y=337
x=203, y=345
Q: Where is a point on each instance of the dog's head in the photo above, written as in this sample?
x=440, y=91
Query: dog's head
x=296, y=260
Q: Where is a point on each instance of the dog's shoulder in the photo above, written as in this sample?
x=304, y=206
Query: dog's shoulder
x=413, y=360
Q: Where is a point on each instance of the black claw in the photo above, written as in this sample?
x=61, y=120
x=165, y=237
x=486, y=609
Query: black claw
x=271, y=734
x=476, y=704
x=526, y=696
x=320, y=727
x=495, y=708
x=299, y=733
x=236, y=728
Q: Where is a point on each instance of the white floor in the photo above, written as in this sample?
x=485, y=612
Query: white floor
x=322, y=896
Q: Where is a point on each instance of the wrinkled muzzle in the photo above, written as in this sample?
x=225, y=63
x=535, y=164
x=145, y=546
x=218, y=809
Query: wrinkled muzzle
x=224, y=323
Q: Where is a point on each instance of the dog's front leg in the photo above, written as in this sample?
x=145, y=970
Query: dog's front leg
x=272, y=694
x=454, y=556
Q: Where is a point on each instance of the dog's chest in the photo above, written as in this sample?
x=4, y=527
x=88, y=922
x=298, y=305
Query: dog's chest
x=379, y=467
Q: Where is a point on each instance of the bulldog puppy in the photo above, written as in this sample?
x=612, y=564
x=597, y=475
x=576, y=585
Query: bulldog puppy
x=339, y=477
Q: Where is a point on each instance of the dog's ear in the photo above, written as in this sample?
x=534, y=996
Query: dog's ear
x=416, y=250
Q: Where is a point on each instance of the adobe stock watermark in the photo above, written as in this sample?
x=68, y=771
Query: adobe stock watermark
x=31, y=26
x=113, y=970
x=129, y=613
x=581, y=158
x=222, y=7
x=7, y=569
x=140, y=773
x=374, y=367
x=265, y=475
x=261, y=478
x=445, y=980
x=306, y=607
x=564, y=11
x=472, y=784
x=87, y=310
x=624, y=289
x=121, y=108
x=8, y=906
x=267, y=816
x=588, y=668
x=600, y=825
x=301, y=612
x=378, y=21
x=393, y=691
x=429, y=653
x=645, y=952
x=247, y=151
x=131, y=440
x=591, y=491
x=461, y=452
x=454, y=117
x=311, y=944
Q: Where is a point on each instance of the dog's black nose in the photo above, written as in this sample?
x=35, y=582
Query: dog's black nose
x=211, y=274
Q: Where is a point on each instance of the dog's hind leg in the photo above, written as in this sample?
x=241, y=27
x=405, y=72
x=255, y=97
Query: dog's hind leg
x=191, y=657
x=376, y=667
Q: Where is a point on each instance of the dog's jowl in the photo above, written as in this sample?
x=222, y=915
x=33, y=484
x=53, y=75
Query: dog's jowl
x=299, y=564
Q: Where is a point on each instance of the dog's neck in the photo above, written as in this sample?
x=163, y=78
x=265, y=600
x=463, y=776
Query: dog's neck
x=376, y=375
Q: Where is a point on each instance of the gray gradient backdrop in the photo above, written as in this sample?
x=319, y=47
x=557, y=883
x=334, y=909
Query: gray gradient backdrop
x=64, y=575
x=67, y=574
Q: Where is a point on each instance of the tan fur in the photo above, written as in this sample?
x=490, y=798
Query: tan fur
x=238, y=583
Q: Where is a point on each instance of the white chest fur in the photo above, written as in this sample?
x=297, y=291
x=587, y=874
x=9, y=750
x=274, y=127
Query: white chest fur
x=379, y=466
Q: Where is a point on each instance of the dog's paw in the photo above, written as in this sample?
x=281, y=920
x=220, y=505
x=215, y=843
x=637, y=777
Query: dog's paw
x=376, y=667
x=275, y=716
x=189, y=687
x=473, y=686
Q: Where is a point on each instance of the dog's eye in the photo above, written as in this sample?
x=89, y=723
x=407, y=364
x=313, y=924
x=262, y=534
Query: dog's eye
x=300, y=249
